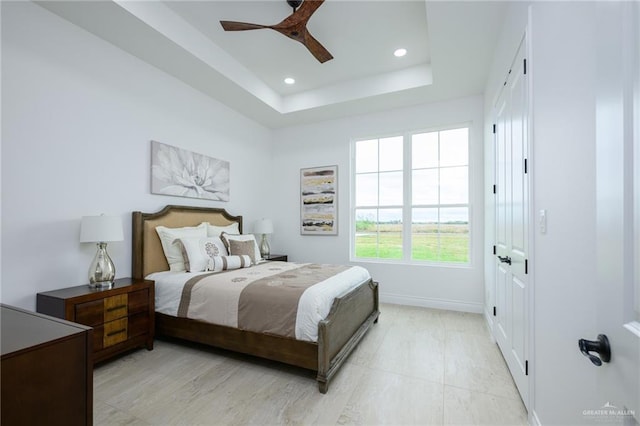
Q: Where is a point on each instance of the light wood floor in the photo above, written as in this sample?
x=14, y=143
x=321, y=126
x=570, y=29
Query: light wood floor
x=416, y=366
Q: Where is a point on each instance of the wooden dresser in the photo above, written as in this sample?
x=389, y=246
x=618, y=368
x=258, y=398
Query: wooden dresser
x=47, y=374
x=122, y=316
x=278, y=257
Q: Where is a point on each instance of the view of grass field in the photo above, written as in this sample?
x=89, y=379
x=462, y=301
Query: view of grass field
x=430, y=242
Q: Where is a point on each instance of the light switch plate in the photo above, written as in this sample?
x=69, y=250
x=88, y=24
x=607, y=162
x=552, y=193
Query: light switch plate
x=542, y=221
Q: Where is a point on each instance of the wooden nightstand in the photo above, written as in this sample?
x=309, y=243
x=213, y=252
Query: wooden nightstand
x=278, y=257
x=122, y=317
x=47, y=373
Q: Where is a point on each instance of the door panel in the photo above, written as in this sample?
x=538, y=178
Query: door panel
x=511, y=138
x=501, y=305
x=618, y=204
x=519, y=336
x=518, y=138
x=501, y=175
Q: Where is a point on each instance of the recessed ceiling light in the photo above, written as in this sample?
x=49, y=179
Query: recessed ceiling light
x=289, y=80
x=400, y=52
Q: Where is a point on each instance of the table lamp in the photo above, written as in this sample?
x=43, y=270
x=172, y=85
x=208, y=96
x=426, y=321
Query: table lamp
x=100, y=230
x=264, y=227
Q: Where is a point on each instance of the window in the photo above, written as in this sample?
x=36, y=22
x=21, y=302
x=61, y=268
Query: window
x=411, y=199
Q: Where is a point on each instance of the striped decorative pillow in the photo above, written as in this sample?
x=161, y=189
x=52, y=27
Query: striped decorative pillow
x=223, y=263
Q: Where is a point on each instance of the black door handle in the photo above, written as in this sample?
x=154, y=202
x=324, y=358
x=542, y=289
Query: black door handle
x=600, y=346
x=505, y=259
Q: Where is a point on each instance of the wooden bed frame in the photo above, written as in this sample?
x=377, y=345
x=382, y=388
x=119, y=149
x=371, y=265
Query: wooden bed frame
x=349, y=318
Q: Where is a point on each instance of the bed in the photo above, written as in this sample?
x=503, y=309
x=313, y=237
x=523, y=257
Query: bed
x=350, y=315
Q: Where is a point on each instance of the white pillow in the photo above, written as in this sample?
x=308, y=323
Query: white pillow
x=216, y=231
x=172, y=250
x=246, y=237
x=198, y=252
x=222, y=263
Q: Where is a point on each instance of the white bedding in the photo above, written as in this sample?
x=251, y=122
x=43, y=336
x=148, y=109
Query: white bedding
x=313, y=306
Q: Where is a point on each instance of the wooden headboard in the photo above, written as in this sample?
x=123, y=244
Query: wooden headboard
x=148, y=256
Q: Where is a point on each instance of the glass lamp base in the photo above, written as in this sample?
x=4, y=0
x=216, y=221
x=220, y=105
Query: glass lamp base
x=101, y=271
x=264, y=246
x=102, y=285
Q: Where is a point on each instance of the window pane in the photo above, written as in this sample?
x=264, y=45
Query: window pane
x=454, y=234
x=424, y=234
x=367, y=245
x=425, y=247
x=366, y=220
x=390, y=233
x=391, y=188
x=454, y=219
x=367, y=156
x=390, y=217
x=424, y=220
x=390, y=246
x=454, y=147
x=454, y=185
x=366, y=240
x=391, y=154
x=424, y=187
x=367, y=189
x=424, y=150
x=454, y=247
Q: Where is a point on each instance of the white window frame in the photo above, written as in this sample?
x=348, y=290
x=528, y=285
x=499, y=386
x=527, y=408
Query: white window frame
x=407, y=199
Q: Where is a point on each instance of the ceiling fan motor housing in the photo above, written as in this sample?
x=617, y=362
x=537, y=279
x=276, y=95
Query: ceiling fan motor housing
x=294, y=3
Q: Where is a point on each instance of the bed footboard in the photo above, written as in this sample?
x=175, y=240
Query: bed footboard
x=349, y=319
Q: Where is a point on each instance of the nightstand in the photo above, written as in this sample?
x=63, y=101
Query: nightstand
x=47, y=373
x=278, y=257
x=122, y=317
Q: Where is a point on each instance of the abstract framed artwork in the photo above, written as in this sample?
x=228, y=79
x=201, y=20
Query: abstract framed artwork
x=319, y=201
x=178, y=172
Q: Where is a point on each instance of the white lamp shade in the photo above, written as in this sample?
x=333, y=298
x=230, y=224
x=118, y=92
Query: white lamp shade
x=263, y=226
x=94, y=229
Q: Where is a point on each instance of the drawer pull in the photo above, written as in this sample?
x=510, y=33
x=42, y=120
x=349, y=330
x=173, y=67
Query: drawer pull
x=113, y=333
x=115, y=308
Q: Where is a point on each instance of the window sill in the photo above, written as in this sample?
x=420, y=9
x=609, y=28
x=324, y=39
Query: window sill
x=410, y=263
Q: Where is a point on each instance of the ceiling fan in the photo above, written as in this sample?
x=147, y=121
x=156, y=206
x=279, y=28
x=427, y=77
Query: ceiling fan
x=294, y=27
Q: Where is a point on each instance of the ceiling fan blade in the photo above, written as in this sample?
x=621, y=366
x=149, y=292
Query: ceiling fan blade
x=294, y=27
x=316, y=49
x=303, y=13
x=240, y=26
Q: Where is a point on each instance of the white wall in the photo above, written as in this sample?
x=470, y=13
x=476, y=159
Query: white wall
x=562, y=166
x=78, y=117
x=563, y=66
x=328, y=143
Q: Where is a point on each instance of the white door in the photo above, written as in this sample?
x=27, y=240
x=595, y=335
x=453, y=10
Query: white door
x=618, y=210
x=512, y=195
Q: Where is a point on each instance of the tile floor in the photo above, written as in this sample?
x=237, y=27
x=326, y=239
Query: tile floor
x=416, y=366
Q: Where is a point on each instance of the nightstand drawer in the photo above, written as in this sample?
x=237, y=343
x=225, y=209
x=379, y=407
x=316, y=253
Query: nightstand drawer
x=89, y=313
x=115, y=332
x=138, y=324
x=276, y=257
x=111, y=333
x=139, y=301
x=116, y=307
x=99, y=311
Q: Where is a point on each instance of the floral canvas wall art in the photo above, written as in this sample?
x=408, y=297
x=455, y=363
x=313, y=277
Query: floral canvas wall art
x=176, y=171
x=319, y=201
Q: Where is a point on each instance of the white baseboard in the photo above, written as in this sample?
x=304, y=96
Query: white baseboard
x=449, y=305
x=533, y=419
